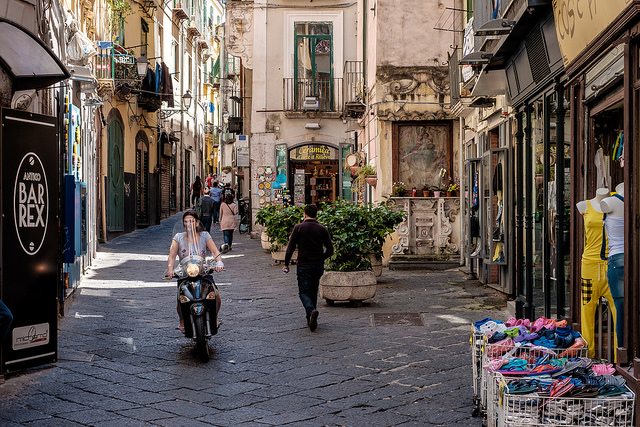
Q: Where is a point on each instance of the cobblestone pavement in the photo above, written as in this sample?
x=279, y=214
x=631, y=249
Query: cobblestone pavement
x=122, y=362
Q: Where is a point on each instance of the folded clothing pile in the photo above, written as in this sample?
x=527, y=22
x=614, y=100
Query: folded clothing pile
x=543, y=332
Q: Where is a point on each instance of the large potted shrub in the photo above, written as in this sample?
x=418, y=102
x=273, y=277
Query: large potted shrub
x=278, y=222
x=358, y=233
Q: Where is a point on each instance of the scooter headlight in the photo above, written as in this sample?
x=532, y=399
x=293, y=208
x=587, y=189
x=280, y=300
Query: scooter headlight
x=211, y=295
x=193, y=270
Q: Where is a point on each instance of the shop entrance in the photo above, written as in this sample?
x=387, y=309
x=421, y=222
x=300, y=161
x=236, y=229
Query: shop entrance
x=315, y=172
x=314, y=181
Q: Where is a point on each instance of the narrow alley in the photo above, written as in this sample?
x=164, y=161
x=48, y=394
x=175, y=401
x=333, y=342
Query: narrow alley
x=401, y=359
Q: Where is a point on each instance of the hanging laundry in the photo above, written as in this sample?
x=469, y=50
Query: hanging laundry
x=158, y=78
x=167, y=86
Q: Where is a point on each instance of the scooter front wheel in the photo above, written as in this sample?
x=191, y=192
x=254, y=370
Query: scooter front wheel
x=202, y=346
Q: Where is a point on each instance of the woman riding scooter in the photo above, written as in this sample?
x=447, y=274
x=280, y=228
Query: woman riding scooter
x=192, y=241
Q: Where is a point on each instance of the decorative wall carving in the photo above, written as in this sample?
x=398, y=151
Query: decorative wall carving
x=427, y=230
x=240, y=31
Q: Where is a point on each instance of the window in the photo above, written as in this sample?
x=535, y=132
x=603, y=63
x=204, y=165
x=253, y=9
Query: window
x=176, y=59
x=314, y=61
x=144, y=37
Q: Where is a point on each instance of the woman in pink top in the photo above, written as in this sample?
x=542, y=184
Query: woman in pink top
x=228, y=210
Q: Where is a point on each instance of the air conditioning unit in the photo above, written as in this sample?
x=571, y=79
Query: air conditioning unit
x=310, y=103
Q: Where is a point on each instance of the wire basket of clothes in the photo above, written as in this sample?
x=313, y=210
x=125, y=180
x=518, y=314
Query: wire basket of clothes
x=577, y=396
x=529, y=342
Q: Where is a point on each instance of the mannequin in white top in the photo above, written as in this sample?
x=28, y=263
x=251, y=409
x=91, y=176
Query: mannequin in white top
x=601, y=193
x=613, y=208
x=593, y=273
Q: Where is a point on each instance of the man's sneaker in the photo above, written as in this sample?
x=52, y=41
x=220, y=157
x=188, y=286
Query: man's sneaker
x=313, y=320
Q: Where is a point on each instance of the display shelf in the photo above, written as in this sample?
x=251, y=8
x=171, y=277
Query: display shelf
x=493, y=206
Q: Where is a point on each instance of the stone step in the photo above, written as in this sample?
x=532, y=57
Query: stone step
x=422, y=262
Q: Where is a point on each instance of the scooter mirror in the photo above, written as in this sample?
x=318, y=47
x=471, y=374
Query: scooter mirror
x=224, y=248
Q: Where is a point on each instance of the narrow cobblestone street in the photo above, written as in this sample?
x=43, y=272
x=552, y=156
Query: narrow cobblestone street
x=122, y=362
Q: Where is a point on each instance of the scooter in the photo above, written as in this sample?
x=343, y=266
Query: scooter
x=198, y=296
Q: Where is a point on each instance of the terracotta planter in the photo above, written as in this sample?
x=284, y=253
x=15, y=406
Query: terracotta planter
x=347, y=285
x=401, y=193
x=449, y=193
x=426, y=193
x=372, y=180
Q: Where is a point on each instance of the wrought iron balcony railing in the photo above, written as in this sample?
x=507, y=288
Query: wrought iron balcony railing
x=313, y=95
x=354, y=90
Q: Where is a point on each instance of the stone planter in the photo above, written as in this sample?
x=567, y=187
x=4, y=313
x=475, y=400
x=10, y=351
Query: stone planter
x=372, y=180
x=347, y=286
x=376, y=265
x=282, y=252
x=265, y=241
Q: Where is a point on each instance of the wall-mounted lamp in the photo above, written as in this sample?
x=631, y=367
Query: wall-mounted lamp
x=476, y=58
x=495, y=27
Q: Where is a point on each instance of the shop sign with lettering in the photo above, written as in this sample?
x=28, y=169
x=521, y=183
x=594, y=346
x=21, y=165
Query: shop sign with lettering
x=313, y=152
x=579, y=22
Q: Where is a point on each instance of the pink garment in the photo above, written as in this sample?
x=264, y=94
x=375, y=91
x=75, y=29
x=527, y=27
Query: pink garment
x=227, y=218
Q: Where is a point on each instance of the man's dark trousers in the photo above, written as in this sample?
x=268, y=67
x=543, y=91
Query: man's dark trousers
x=308, y=282
x=206, y=223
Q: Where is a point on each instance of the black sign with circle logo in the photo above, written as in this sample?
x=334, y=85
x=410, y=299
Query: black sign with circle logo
x=30, y=269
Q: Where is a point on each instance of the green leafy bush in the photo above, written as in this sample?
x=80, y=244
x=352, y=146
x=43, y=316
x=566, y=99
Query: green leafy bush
x=278, y=222
x=357, y=231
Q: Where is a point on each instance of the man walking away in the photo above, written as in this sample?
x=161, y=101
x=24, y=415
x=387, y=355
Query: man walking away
x=206, y=206
x=216, y=195
x=314, y=246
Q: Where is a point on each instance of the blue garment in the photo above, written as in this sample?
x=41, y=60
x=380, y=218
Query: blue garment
x=615, y=278
x=215, y=194
x=158, y=78
x=6, y=319
x=228, y=237
x=216, y=211
x=308, y=284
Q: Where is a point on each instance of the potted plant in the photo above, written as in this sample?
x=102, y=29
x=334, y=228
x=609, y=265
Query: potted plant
x=358, y=233
x=426, y=192
x=226, y=169
x=278, y=222
x=399, y=189
x=436, y=190
x=366, y=173
x=453, y=189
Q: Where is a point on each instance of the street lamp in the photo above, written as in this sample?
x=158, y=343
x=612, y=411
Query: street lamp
x=186, y=103
x=141, y=64
x=186, y=99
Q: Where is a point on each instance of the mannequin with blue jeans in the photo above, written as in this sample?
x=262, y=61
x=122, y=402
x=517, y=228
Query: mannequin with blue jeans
x=6, y=318
x=613, y=209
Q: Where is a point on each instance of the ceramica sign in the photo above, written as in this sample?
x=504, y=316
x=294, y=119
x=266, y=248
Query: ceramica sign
x=314, y=152
x=579, y=22
x=29, y=273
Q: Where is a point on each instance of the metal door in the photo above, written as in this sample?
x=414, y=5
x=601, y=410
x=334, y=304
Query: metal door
x=115, y=177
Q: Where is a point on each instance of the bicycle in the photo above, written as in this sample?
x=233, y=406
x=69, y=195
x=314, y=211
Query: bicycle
x=245, y=218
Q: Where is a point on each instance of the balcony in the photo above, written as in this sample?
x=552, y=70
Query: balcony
x=354, y=91
x=313, y=95
x=178, y=11
x=195, y=26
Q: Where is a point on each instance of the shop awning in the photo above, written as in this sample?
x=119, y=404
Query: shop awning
x=29, y=62
x=84, y=76
x=490, y=83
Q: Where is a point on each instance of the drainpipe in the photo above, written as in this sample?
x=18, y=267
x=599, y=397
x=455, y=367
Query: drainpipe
x=528, y=217
x=181, y=150
x=519, y=219
x=560, y=112
x=461, y=194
